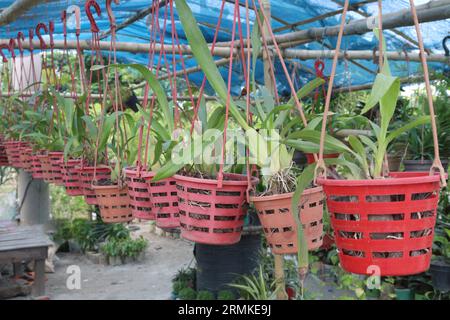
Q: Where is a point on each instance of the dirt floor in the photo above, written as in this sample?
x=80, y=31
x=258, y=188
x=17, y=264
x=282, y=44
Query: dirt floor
x=150, y=279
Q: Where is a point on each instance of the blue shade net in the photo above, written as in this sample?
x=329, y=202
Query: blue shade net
x=283, y=12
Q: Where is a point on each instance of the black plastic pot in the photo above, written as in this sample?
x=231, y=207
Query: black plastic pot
x=299, y=158
x=440, y=275
x=419, y=165
x=218, y=266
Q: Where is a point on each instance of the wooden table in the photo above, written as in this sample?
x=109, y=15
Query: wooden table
x=25, y=243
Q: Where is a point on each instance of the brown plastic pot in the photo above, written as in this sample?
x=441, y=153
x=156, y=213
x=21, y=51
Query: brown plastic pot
x=421, y=165
x=86, y=175
x=279, y=225
x=114, y=203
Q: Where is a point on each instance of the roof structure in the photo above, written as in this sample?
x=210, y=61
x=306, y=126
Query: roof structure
x=287, y=16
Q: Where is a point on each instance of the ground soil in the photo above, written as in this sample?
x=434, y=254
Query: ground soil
x=150, y=279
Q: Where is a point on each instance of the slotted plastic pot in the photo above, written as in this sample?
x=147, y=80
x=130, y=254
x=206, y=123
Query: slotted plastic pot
x=139, y=193
x=384, y=225
x=36, y=167
x=3, y=156
x=113, y=203
x=280, y=228
x=212, y=215
x=71, y=178
x=164, y=200
x=26, y=158
x=55, y=159
x=86, y=176
x=13, y=151
x=46, y=167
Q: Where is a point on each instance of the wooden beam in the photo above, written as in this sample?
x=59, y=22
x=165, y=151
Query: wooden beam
x=16, y=9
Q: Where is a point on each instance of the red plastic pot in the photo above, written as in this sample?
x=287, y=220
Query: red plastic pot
x=36, y=167
x=13, y=151
x=46, y=167
x=55, y=159
x=139, y=193
x=86, y=175
x=385, y=224
x=279, y=225
x=26, y=158
x=113, y=203
x=71, y=179
x=164, y=200
x=311, y=160
x=212, y=215
x=3, y=156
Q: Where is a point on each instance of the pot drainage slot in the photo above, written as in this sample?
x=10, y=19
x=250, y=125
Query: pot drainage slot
x=387, y=255
x=386, y=217
x=347, y=216
x=387, y=236
x=386, y=198
x=344, y=198
x=422, y=215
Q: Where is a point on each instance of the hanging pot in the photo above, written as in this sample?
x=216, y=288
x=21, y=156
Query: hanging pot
x=13, y=151
x=113, y=203
x=421, y=165
x=279, y=225
x=310, y=157
x=209, y=214
x=55, y=159
x=440, y=275
x=26, y=158
x=71, y=179
x=385, y=223
x=36, y=167
x=3, y=156
x=139, y=194
x=46, y=167
x=86, y=176
x=164, y=200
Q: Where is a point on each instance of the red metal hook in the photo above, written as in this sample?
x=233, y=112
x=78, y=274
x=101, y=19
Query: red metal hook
x=111, y=17
x=30, y=37
x=87, y=7
x=76, y=10
x=20, y=38
x=319, y=66
x=4, y=46
x=38, y=33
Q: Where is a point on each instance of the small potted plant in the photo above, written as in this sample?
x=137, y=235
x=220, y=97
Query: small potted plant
x=440, y=264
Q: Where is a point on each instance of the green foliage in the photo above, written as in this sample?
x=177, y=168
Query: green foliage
x=226, y=295
x=187, y=294
x=256, y=286
x=124, y=247
x=205, y=295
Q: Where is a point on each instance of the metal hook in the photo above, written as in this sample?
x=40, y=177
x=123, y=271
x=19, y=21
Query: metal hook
x=20, y=38
x=4, y=46
x=76, y=10
x=444, y=44
x=87, y=7
x=111, y=17
x=38, y=33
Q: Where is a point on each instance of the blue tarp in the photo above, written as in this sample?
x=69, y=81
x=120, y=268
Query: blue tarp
x=286, y=11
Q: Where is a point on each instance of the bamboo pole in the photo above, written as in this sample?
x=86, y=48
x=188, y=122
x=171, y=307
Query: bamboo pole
x=431, y=11
x=16, y=9
x=225, y=51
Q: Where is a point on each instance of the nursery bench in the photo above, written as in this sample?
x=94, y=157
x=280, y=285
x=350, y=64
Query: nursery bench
x=25, y=243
